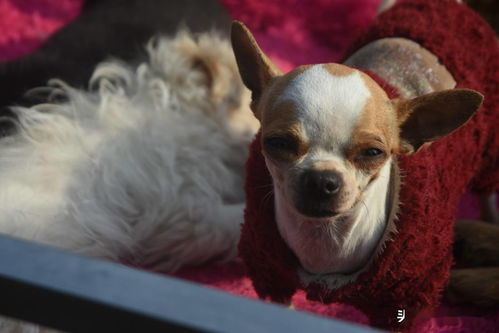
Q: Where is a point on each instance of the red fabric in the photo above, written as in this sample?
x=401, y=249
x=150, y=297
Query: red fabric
x=24, y=25
x=414, y=267
x=471, y=54
x=297, y=32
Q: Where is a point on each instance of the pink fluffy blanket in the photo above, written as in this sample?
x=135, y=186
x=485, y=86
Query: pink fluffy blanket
x=292, y=32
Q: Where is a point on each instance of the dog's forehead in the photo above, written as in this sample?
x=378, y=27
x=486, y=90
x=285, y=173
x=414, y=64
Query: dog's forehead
x=325, y=87
x=328, y=100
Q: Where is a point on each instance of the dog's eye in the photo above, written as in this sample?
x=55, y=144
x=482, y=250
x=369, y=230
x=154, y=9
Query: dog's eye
x=280, y=143
x=372, y=152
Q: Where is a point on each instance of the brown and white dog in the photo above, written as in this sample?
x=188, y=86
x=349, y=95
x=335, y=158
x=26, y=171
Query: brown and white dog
x=329, y=133
x=341, y=225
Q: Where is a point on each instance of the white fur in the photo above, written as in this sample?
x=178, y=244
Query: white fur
x=147, y=170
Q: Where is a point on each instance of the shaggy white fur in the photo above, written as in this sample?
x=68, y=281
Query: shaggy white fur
x=146, y=168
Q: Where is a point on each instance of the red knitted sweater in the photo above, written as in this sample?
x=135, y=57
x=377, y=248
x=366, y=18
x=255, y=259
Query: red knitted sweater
x=414, y=266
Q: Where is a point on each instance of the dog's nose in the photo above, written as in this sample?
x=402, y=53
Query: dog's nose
x=321, y=184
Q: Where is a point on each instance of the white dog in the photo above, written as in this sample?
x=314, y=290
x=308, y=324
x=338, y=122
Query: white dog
x=146, y=169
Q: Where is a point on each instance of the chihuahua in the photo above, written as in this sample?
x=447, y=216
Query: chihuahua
x=353, y=181
x=329, y=136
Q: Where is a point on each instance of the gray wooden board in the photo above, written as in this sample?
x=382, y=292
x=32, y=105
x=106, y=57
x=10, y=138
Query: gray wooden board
x=78, y=294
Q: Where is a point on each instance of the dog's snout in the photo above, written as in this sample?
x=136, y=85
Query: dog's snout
x=321, y=184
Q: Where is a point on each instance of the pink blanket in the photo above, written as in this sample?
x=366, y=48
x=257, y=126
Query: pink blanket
x=292, y=32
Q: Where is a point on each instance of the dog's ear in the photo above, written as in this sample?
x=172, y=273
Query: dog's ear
x=433, y=116
x=256, y=69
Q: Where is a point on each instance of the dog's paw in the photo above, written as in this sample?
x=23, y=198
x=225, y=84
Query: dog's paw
x=477, y=286
x=476, y=244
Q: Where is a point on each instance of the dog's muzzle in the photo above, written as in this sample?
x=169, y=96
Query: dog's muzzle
x=317, y=191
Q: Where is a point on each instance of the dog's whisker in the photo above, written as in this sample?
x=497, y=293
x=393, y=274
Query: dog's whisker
x=366, y=207
x=266, y=198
